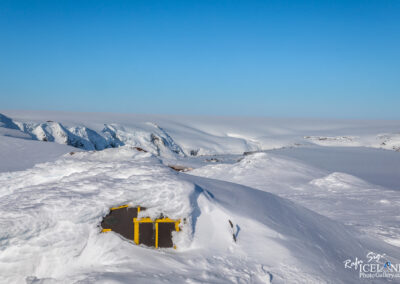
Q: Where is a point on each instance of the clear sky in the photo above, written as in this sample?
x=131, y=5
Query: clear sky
x=260, y=58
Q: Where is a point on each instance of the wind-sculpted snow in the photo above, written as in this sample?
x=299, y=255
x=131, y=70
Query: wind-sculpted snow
x=339, y=196
x=50, y=216
x=51, y=212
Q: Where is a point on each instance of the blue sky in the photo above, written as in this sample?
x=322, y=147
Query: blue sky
x=253, y=58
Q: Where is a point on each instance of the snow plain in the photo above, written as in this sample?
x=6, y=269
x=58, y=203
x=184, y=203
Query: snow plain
x=299, y=211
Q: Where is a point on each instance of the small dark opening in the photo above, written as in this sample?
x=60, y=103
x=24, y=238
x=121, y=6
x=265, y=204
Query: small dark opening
x=165, y=235
x=122, y=221
x=146, y=234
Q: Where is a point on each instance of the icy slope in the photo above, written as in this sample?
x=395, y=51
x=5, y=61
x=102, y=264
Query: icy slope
x=52, y=212
x=19, y=154
x=7, y=122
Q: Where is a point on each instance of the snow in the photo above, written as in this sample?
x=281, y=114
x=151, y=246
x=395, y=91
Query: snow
x=20, y=154
x=299, y=211
x=53, y=210
x=337, y=195
x=377, y=166
x=205, y=135
x=6, y=122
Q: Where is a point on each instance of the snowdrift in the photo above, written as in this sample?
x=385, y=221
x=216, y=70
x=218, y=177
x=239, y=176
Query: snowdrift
x=52, y=214
x=370, y=208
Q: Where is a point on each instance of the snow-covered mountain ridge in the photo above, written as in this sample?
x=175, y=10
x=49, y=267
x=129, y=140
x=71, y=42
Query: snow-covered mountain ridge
x=192, y=136
x=156, y=141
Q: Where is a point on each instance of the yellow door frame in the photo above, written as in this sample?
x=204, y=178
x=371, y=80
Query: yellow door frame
x=137, y=221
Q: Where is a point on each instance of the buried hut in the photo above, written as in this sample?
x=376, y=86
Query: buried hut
x=146, y=231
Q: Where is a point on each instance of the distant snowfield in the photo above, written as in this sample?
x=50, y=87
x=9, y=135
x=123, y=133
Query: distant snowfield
x=314, y=195
x=380, y=167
